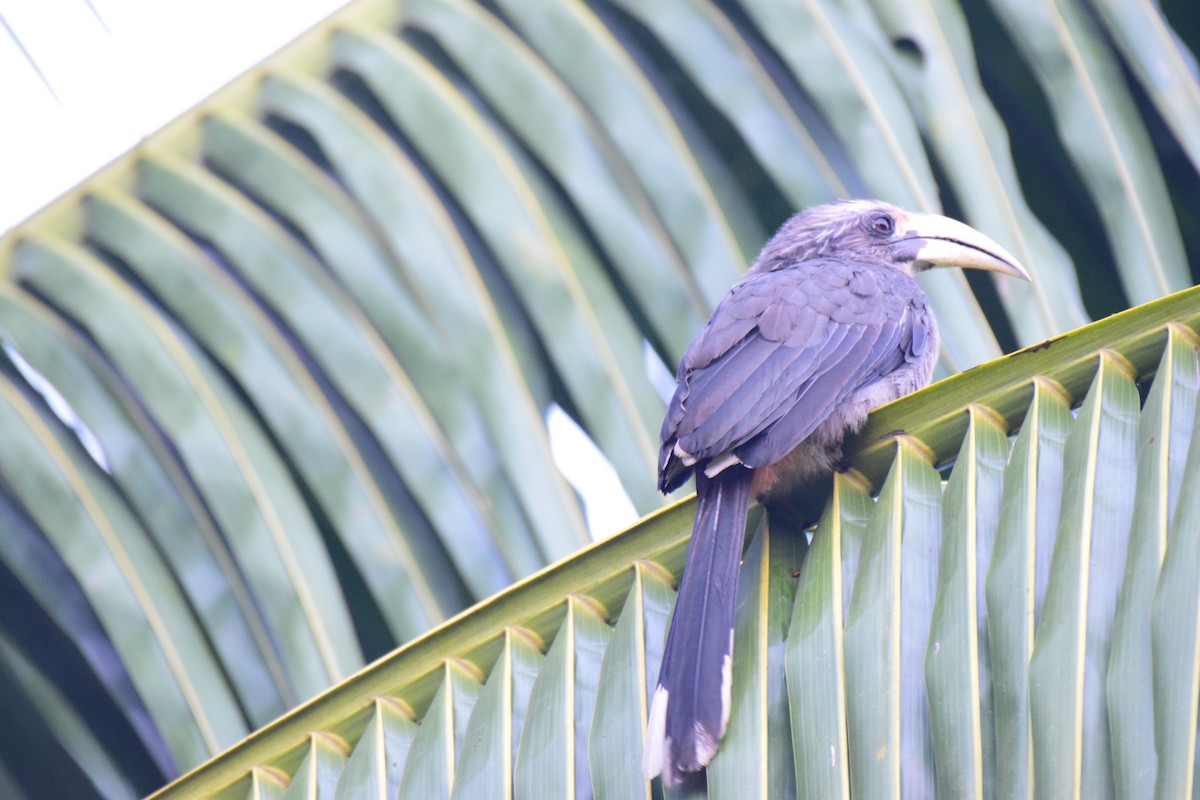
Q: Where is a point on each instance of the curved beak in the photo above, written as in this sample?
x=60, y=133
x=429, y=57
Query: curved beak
x=950, y=243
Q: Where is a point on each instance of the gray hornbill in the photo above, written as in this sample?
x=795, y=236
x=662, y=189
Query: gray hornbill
x=826, y=325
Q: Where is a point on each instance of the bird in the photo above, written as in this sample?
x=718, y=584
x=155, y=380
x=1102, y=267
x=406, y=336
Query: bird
x=827, y=324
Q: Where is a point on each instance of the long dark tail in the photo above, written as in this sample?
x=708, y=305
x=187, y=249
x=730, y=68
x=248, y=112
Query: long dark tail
x=691, y=704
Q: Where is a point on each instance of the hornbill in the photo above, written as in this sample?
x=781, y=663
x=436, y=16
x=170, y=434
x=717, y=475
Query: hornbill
x=827, y=324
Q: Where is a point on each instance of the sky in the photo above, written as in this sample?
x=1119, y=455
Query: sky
x=83, y=81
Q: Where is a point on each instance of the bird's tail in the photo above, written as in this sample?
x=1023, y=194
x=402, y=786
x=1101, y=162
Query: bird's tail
x=690, y=708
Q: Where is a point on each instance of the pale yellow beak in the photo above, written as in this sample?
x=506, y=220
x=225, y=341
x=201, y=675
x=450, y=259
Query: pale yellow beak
x=950, y=243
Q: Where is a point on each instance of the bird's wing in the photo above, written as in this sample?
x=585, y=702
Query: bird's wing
x=781, y=350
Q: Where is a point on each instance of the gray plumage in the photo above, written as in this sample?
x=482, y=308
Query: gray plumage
x=828, y=324
x=786, y=352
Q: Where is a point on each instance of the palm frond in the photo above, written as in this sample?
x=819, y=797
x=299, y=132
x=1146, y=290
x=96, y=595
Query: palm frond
x=889, y=656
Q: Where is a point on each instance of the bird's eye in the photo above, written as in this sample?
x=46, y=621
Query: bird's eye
x=882, y=224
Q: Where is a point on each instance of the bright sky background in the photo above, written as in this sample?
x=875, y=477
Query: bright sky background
x=113, y=71
x=82, y=81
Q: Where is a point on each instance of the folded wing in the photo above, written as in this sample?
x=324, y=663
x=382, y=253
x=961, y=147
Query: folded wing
x=781, y=351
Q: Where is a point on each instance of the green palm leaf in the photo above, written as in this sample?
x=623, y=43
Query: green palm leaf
x=906, y=670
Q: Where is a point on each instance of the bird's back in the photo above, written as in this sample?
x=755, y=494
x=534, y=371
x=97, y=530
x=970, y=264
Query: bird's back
x=785, y=351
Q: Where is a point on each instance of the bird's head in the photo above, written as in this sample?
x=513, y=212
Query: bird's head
x=877, y=231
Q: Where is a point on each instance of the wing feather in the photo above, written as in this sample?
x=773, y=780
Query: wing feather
x=755, y=405
x=781, y=351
